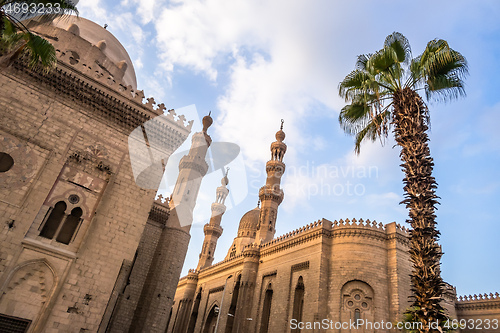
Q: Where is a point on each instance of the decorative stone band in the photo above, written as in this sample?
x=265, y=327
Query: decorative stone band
x=100, y=94
x=159, y=214
x=188, y=162
x=216, y=289
x=300, y=266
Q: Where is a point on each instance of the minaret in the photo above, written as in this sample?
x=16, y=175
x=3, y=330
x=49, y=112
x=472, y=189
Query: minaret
x=151, y=313
x=213, y=230
x=271, y=195
x=192, y=168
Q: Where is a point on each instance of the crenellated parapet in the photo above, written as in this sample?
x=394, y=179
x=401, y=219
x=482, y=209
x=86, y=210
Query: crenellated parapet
x=337, y=228
x=485, y=305
x=160, y=210
x=480, y=297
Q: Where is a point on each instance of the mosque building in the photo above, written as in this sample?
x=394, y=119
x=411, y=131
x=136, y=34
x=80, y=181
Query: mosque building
x=86, y=245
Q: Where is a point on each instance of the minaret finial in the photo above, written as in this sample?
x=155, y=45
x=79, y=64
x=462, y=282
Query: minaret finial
x=225, y=180
x=207, y=121
x=280, y=135
x=258, y=203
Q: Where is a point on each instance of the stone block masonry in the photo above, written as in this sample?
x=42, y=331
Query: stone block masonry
x=71, y=213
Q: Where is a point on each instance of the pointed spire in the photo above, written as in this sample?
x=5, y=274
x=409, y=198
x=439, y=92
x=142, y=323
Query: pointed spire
x=280, y=135
x=224, y=181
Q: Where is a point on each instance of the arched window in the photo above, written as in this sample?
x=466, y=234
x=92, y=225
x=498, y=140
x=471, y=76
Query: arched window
x=52, y=224
x=357, y=316
x=70, y=225
x=211, y=320
x=298, y=302
x=6, y=162
x=357, y=302
x=232, y=307
x=266, y=311
x=194, y=314
x=233, y=252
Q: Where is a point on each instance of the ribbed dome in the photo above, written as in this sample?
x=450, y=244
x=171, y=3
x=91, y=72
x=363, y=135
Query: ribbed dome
x=249, y=221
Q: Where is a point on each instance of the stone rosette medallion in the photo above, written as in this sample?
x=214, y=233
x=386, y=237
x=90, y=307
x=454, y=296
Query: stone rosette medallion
x=25, y=163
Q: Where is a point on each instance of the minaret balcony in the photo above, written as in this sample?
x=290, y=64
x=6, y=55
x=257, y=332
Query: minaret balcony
x=270, y=192
x=194, y=163
x=275, y=166
x=215, y=230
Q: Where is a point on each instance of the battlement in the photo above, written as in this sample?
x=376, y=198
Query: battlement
x=480, y=297
x=162, y=201
x=97, y=74
x=331, y=226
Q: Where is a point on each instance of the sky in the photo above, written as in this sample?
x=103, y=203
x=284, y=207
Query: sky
x=252, y=63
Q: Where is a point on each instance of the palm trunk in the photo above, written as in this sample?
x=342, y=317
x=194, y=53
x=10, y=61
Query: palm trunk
x=410, y=125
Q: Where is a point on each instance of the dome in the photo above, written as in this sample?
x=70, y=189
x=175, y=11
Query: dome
x=73, y=34
x=249, y=221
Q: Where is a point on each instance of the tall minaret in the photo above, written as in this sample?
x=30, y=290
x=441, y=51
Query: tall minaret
x=212, y=229
x=271, y=195
x=192, y=168
x=155, y=302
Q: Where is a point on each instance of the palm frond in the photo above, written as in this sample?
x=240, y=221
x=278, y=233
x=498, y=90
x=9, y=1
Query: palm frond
x=355, y=83
x=385, y=64
x=376, y=128
x=40, y=51
x=441, y=70
x=400, y=45
x=362, y=60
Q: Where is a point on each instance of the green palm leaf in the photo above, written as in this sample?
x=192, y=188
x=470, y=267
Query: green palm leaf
x=16, y=39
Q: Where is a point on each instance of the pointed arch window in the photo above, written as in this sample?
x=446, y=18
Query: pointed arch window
x=70, y=226
x=298, y=302
x=54, y=220
x=60, y=226
x=194, y=313
x=232, y=308
x=357, y=316
x=266, y=311
x=233, y=252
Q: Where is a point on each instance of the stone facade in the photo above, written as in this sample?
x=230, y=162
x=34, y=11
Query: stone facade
x=72, y=214
x=337, y=272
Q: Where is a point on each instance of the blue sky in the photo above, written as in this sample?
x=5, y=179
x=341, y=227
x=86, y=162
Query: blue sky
x=253, y=63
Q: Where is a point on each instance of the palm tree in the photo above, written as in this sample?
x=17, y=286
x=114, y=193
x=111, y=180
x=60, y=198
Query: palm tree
x=383, y=92
x=17, y=40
